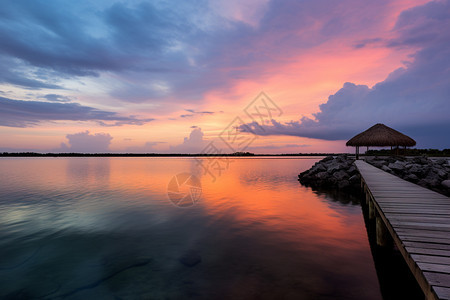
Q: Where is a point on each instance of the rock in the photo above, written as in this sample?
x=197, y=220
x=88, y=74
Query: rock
x=352, y=170
x=340, y=175
x=442, y=161
x=416, y=169
x=420, y=160
x=397, y=166
x=322, y=175
x=412, y=178
x=335, y=167
x=355, y=179
x=386, y=169
x=446, y=184
x=319, y=168
x=332, y=172
x=343, y=184
x=441, y=173
x=190, y=258
x=328, y=158
x=432, y=179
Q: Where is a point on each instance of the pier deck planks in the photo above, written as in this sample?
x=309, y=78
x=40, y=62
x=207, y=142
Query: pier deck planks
x=418, y=220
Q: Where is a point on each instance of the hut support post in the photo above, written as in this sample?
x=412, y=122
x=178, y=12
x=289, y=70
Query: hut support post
x=357, y=152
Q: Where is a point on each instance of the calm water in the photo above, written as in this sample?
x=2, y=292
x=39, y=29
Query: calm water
x=104, y=228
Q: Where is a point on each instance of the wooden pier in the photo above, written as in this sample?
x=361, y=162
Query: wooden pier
x=417, y=220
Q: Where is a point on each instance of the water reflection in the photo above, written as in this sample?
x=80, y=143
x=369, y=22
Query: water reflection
x=104, y=228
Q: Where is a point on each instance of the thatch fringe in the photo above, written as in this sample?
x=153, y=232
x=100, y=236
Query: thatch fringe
x=380, y=135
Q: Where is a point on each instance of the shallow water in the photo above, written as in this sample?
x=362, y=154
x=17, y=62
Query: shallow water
x=104, y=228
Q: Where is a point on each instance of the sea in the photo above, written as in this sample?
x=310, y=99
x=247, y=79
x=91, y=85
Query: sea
x=178, y=228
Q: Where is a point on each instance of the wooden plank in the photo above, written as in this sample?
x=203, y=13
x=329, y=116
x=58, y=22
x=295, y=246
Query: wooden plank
x=440, y=260
x=426, y=226
x=425, y=245
x=415, y=211
x=428, y=240
x=434, y=267
x=403, y=194
x=402, y=232
x=442, y=292
x=438, y=279
x=416, y=219
x=436, y=252
x=412, y=203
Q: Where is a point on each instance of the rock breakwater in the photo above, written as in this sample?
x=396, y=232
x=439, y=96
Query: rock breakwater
x=433, y=174
x=335, y=172
x=339, y=172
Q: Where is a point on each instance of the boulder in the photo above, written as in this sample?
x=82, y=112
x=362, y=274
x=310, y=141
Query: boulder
x=386, y=169
x=412, y=178
x=322, y=175
x=446, y=184
x=343, y=184
x=416, y=169
x=340, y=175
x=397, y=166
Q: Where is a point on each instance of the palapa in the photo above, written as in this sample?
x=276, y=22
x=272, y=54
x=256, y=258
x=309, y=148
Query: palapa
x=380, y=135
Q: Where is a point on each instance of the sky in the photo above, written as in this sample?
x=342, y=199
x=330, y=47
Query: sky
x=281, y=76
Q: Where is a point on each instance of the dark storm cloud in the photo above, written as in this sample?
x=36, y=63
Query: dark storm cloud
x=415, y=99
x=19, y=113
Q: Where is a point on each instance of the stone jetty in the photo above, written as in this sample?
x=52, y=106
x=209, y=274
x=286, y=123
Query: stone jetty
x=339, y=172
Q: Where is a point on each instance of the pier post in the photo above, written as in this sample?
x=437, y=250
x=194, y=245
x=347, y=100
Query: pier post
x=367, y=197
x=372, y=210
x=382, y=232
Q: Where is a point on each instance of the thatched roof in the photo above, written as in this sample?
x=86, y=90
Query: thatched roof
x=380, y=135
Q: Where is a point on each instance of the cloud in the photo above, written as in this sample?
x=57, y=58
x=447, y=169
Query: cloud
x=276, y=147
x=20, y=74
x=193, y=113
x=192, y=144
x=148, y=147
x=19, y=113
x=173, y=50
x=56, y=98
x=414, y=99
x=84, y=142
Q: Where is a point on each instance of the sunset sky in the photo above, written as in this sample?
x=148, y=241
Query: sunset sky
x=171, y=76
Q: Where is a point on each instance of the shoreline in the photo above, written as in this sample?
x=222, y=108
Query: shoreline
x=35, y=154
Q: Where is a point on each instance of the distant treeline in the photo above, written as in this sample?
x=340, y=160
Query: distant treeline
x=410, y=152
x=34, y=154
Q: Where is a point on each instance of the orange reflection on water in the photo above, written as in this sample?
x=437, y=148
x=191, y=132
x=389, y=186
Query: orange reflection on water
x=256, y=192
x=265, y=192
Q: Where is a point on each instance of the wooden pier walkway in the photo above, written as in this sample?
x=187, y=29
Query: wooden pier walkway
x=418, y=222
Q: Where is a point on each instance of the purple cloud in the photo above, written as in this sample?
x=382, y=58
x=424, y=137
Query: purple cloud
x=19, y=113
x=84, y=142
x=160, y=50
x=414, y=99
x=192, y=144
